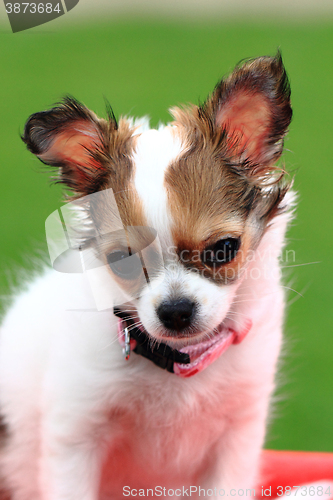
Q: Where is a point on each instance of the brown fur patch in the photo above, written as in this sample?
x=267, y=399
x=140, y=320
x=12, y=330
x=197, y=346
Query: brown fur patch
x=208, y=203
x=227, y=171
x=93, y=157
x=91, y=154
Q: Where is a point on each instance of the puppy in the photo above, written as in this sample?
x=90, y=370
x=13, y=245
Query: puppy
x=148, y=370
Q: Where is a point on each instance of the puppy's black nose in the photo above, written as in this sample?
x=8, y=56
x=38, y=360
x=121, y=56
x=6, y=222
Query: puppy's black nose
x=176, y=314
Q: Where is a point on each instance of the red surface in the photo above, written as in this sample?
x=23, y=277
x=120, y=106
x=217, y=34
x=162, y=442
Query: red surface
x=293, y=468
x=287, y=468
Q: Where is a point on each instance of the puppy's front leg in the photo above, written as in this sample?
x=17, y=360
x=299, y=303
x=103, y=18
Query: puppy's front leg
x=75, y=405
x=70, y=460
x=237, y=456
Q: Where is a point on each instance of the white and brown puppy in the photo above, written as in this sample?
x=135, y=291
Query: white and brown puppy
x=203, y=306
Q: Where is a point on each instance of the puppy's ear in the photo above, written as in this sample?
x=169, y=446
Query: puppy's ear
x=71, y=137
x=252, y=107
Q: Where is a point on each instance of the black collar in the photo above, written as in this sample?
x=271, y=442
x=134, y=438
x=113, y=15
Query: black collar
x=160, y=354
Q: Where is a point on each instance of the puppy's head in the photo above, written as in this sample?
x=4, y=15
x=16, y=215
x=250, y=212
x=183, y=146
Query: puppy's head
x=207, y=185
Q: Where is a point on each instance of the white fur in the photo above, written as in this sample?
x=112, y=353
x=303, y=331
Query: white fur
x=155, y=150
x=73, y=403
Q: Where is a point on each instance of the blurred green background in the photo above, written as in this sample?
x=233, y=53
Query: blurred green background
x=143, y=67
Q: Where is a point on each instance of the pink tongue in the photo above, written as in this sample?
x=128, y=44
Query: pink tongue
x=205, y=353
x=199, y=363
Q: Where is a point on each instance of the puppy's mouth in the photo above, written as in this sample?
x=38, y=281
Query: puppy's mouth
x=204, y=353
x=188, y=360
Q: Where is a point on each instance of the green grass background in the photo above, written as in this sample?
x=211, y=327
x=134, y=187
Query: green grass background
x=144, y=67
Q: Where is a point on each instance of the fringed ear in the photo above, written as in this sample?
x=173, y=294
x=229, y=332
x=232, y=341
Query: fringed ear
x=252, y=108
x=71, y=137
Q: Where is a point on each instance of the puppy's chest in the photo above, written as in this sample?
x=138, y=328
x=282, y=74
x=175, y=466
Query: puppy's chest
x=162, y=447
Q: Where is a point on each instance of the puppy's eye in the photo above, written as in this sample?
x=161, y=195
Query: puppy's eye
x=124, y=264
x=221, y=252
